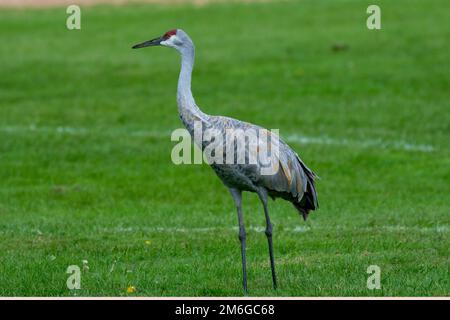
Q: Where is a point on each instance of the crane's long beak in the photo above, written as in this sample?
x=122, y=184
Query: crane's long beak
x=149, y=43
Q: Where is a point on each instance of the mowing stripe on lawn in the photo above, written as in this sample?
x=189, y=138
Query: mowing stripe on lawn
x=294, y=138
x=299, y=229
x=260, y=229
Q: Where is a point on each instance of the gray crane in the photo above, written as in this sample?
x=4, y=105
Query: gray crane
x=293, y=180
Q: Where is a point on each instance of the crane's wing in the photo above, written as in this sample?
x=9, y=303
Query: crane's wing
x=291, y=180
x=287, y=176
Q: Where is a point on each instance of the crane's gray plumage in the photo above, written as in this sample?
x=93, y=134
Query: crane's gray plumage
x=293, y=181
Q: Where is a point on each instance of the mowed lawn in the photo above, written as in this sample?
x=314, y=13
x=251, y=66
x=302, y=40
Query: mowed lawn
x=86, y=173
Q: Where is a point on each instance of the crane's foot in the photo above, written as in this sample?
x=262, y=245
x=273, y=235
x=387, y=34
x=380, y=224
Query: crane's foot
x=242, y=237
x=244, y=282
x=275, y=287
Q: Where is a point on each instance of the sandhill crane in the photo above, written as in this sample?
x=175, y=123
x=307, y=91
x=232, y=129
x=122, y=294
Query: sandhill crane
x=293, y=180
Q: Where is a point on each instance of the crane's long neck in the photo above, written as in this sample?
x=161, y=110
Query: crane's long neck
x=188, y=110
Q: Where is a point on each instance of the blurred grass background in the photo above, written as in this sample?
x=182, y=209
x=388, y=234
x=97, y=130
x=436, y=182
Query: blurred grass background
x=85, y=169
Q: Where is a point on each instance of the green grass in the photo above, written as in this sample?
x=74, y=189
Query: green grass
x=85, y=169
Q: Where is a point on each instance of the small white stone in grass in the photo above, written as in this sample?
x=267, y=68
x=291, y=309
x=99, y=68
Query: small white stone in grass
x=85, y=265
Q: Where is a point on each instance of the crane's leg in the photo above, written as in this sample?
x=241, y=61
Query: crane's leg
x=262, y=193
x=237, y=196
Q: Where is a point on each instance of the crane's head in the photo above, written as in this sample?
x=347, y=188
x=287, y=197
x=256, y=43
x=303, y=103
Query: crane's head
x=175, y=38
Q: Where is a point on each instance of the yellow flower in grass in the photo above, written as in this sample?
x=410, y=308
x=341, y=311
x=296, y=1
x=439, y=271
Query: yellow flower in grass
x=131, y=289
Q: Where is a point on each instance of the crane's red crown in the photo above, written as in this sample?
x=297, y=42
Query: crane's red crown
x=170, y=33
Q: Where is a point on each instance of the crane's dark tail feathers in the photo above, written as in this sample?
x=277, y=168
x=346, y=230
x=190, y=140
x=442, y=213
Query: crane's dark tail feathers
x=309, y=200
